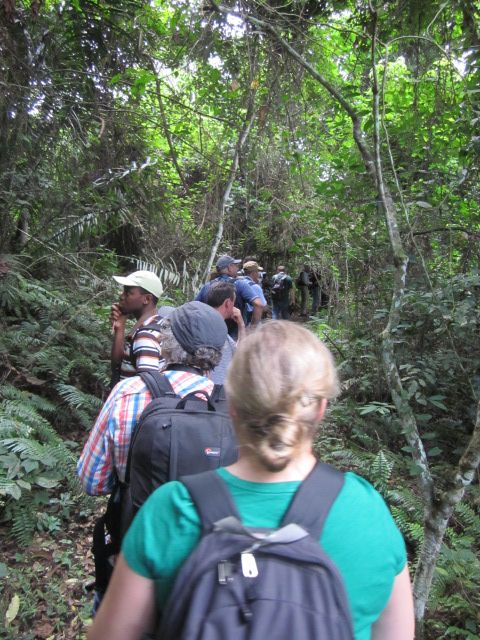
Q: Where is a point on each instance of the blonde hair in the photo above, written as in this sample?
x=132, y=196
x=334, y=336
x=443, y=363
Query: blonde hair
x=276, y=380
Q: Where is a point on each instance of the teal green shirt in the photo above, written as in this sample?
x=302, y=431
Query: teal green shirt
x=359, y=535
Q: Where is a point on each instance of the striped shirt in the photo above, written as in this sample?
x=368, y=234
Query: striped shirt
x=104, y=456
x=146, y=349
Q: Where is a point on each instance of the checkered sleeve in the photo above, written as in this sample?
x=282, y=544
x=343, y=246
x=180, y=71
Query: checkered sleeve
x=104, y=457
x=95, y=466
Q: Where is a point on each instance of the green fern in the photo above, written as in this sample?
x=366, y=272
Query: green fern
x=77, y=399
x=23, y=523
x=381, y=470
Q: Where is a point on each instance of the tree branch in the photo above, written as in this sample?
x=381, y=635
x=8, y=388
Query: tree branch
x=336, y=95
x=173, y=153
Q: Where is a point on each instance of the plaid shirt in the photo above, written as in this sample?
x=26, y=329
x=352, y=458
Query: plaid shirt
x=104, y=456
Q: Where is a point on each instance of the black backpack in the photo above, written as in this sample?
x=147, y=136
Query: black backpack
x=175, y=436
x=241, y=583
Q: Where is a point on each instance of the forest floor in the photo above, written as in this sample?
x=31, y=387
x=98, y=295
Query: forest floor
x=46, y=582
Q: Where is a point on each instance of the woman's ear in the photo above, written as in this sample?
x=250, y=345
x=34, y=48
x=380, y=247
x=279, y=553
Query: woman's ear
x=322, y=407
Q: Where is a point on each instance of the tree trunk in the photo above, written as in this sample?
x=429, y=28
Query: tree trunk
x=242, y=137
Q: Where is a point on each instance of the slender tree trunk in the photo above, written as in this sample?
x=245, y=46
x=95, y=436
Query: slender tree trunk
x=437, y=521
x=242, y=138
x=243, y=135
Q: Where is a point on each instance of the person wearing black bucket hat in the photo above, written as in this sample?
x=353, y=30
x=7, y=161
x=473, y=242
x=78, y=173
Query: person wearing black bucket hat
x=192, y=339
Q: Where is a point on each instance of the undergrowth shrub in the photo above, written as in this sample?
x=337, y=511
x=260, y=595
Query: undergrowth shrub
x=438, y=352
x=54, y=364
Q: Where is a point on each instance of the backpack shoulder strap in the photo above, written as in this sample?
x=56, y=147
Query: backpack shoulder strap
x=159, y=386
x=319, y=490
x=157, y=383
x=218, y=393
x=211, y=498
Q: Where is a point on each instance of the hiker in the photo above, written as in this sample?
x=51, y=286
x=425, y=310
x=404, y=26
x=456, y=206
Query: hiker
x=227, y=269
x=254, y=309
x=280, y=293
x=221, y=296
x=192, y=339
x=316, y=291
x=139, y=350
x=276, y=426
x=303, y=282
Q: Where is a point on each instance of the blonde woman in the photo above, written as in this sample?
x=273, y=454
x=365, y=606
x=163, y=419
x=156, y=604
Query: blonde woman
x=278, y=386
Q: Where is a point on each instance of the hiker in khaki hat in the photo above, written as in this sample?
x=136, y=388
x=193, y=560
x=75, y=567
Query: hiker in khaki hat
x=139, y=350
x=254, y=312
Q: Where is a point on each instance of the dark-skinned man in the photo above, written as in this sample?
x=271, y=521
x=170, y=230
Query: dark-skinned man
x=139, y=349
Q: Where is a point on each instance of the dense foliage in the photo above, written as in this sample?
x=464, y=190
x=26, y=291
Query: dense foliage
x=339, y=133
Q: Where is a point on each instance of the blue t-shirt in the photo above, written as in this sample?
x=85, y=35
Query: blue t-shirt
x=202, y=294
x=243, y=289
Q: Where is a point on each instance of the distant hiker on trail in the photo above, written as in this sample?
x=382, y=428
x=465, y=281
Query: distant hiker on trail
x=319, y=298
x=139, y=350
x=192, y=340
x=280, y=293
x=221, y=296
x=193, y=556
x=227, y=268
x=254, y=308
x=303, y=283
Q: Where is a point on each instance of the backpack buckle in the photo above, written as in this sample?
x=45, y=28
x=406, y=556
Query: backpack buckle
x=225, y=572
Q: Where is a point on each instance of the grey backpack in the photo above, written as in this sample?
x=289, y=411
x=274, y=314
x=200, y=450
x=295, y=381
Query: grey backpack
x=241, y=583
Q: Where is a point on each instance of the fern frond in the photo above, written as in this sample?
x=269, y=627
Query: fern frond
x=23, y=524
x=381, y=470
x=468, y=518
x=40, y=404
x=10, y=488
x=31, y=449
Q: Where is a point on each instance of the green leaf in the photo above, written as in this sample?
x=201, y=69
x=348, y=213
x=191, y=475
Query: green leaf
x=423, y=417
x=437, y=403
x=369, y=408
x=46, y=483
x=3, y=570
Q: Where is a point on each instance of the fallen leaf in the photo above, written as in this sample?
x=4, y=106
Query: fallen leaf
x=44, y=630
x=12, y=610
